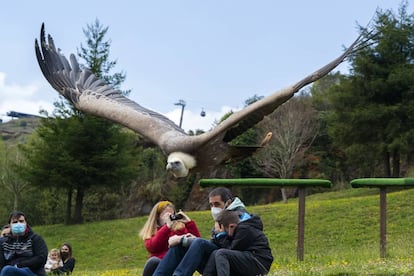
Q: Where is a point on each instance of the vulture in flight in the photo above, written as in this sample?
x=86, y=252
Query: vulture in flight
x=92, y=95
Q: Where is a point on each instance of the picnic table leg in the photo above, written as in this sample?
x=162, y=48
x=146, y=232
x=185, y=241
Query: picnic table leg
x=383, y=221
x=301, y=223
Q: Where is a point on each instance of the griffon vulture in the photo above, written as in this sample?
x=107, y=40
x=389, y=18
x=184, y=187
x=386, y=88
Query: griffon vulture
x=92, y=95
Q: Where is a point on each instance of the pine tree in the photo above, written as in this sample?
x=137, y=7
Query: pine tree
x=373, y=109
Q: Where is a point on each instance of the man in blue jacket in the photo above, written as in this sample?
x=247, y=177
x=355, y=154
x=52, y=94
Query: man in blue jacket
x=246, y=250
x=23, y=252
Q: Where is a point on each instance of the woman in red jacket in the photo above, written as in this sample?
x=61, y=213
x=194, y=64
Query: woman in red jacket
x=163, y=229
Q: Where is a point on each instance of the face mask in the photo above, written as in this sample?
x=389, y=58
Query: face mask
x=18, y=228
x=64, y=255
x=215, y=211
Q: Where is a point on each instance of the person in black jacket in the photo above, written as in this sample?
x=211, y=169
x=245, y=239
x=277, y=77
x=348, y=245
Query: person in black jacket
x=67, y=259
x=5, y=230
x=23, y=252
x=246, y=250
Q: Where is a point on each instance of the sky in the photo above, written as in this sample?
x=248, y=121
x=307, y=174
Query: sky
x=213, y=55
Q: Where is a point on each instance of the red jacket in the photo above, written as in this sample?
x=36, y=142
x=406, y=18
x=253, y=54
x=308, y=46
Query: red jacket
x=157, y=245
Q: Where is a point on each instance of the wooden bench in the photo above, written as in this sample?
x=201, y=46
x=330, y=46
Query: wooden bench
x=301, y=184
x=382, y=184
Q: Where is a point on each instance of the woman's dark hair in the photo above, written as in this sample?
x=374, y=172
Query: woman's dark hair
x=69, y=247
x=224, y=193
x=16, y=215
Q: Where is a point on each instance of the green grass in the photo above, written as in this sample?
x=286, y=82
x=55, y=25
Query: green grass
x=341, y=237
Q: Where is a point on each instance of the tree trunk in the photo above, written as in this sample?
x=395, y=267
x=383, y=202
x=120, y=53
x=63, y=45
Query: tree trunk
x=409, y=164
x=77, y=217
x=68, y=219
x=284, y=196
x=396, y=163
x=387, y=168
x=284, y=174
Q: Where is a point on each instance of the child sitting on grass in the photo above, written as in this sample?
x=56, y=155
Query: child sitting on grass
x=53, y=260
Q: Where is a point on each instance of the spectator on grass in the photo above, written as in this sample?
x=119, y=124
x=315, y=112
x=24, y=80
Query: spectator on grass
x=193, y=254
x=68, y=260
x=23, y=252
x=5, y=231
x=165, y=228
x=53, y=260
x=246, y=250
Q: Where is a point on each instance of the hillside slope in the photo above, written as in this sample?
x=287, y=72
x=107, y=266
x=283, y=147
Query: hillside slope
x=341, y=232
x=16, y=130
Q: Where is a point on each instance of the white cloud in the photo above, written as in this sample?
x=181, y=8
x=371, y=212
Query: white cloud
x=20, y=98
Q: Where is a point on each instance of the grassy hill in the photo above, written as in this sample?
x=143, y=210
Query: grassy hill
x=16, y=130
x=341, y=237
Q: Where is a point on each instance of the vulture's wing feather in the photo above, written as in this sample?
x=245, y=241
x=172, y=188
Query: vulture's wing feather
x=244, y=119
x=92, y=95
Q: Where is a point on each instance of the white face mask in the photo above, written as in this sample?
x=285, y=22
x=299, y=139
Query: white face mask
x=215, y=211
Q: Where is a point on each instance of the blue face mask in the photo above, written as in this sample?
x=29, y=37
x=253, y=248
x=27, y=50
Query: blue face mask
x=18, y=228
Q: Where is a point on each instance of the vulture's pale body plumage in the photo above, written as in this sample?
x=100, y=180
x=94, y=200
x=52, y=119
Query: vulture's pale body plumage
x=92, y=95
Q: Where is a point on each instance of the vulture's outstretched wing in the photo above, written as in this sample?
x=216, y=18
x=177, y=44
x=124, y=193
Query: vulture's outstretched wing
x=92, y=95
x=244, y=119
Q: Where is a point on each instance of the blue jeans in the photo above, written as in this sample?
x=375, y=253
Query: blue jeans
x=10, y=270
x=180, y=261
x=150, y=266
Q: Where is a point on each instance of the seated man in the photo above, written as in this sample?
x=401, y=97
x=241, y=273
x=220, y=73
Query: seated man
x=188, y=255
x=23, y=252
x=5, y=230
x=246, y=250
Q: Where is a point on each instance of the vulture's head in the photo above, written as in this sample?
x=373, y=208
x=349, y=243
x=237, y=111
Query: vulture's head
x=90, y=94
x=180, y=163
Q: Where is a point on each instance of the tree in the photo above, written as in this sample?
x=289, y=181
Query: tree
x=76, y=151
x=294, y=127
x=372, y=118
x=329, y=157
x=96, y=55
x=10, y=180
x=246, y=167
